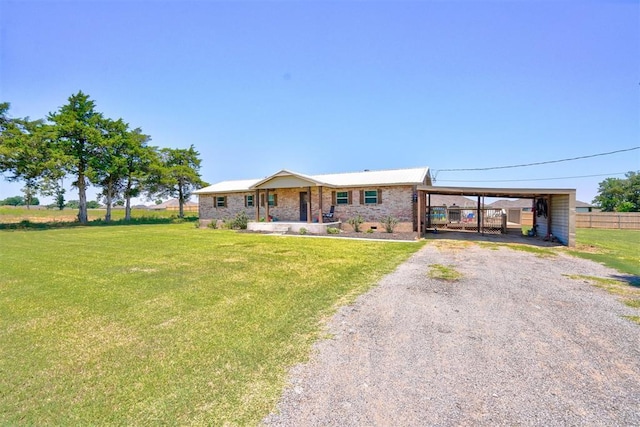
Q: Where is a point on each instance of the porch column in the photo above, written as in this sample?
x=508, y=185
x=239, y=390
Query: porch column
x=256, y=203
x=266, y=204
x=549, y=222
x=309, y=211
x=320, y=204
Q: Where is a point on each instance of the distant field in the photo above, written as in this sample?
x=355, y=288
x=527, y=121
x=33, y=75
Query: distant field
x=165, y=324
x=10, y=215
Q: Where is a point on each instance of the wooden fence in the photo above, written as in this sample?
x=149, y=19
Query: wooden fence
x=612, y=220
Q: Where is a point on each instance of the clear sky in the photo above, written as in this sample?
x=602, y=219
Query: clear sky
x=340, y=86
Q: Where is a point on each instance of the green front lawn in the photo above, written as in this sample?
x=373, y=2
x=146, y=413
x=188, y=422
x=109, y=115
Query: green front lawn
x=165, y=324
x=619, y=249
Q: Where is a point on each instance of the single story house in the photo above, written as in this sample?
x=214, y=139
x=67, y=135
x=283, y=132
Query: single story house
x=289, y=201
x=288, y=196
x=174, y=205
x=583, y=207
x=519, y=211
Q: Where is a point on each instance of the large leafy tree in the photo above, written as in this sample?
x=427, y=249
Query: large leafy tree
x=139, y=159
x=176, y=174
x=619, y=195
x=79, y=131
x=27, y=153
x=108, y=165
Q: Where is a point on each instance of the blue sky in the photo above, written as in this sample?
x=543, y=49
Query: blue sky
x=339, y=86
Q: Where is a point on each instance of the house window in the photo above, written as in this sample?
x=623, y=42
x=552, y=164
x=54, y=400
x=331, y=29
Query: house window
x=221, y=201
x=371, y=197
x=248, y=201
x=273, y=200
x=342, y=198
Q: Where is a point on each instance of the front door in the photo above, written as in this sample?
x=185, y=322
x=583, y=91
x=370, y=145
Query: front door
x=303, y=206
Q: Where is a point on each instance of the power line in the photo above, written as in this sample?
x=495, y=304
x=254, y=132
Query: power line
x=532, y=179
x=538, y=163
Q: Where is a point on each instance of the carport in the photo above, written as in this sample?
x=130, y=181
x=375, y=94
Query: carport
x=554, y=209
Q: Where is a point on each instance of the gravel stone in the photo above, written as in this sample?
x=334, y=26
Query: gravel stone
x=514, y=342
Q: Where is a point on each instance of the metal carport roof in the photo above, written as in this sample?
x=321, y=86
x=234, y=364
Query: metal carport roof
x=516, y=193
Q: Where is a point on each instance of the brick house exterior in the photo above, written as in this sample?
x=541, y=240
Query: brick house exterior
x=295, y=197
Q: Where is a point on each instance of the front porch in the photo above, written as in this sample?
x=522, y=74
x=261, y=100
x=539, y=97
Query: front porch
x=292, y=226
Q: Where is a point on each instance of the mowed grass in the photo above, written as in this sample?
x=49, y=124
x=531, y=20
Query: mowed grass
x=619, y=249
x=166, y=324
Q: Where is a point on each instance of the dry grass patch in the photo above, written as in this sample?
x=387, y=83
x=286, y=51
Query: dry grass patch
x=452, y=245
x=634, y=319
x=444, y=272
x=630, y=295
x=536, y=250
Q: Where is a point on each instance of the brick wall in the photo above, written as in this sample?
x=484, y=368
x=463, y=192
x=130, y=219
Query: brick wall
x=235, y=205
x=396, y=201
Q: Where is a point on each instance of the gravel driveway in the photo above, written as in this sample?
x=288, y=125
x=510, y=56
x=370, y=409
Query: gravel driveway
x=514, y=342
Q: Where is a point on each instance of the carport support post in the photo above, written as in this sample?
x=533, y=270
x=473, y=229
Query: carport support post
x=479, y=214
x=429, y=210
x=419, y=213
x=549, y=215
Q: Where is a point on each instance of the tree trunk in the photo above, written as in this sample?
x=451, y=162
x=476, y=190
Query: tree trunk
x=82, y=196
x=109, y=200
x=127, y=198
x=180, y=202
x=127, y=208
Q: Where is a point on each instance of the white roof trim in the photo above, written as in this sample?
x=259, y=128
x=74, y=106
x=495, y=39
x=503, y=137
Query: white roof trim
x=285, y=172
x=390, y=177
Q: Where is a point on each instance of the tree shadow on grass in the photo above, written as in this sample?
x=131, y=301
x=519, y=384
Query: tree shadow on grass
x=30, y=225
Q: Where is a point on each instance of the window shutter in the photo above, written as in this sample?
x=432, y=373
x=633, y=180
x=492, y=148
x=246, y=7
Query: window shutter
x=262, y=199
x=224, y=202
x=333, y=198
x=362, y=197
x=275, y=200
x=246, y=200
x=379, y=196
x=349, y=197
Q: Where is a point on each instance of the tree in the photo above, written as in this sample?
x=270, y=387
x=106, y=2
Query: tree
x=619, y=195
x=176, y=174
x=140, y=157
x=13, y=201
x=78, y=131
x=26, y=153
x=108, y=164
x=72, y=204
x=30, y=198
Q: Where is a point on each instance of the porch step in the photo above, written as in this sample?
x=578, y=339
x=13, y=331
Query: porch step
x=280, y=228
